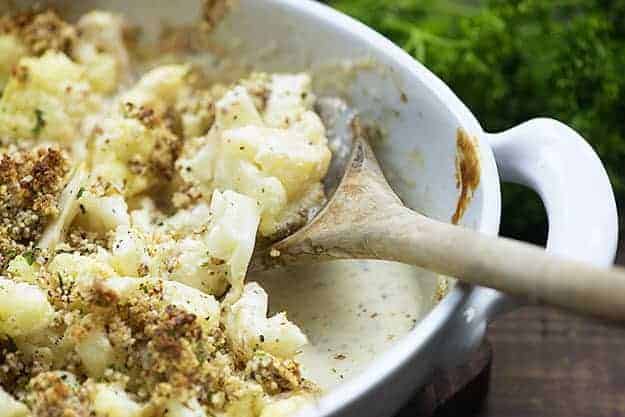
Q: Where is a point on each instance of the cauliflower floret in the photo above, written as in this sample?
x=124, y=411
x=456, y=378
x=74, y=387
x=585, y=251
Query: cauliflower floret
x=196, y=268
x=79, y=270
x=292, y=159
x=22, y=268
x=197, y=111
x=133, y=154
x=197, y=166
x=291, y=96
x=158, y=89
x=236, y=109
x=129, y=252
x=185, y=222
x=46, y=98
x=285, y=407
x=102, y=50
x=101, y=213
x=204, y=306
x=10, y=407
x=112, y=401
x=278, y=156
x=95, y=352
x=249, y=328
x=173, y=91
x=233, y=233
x=11, y=50
x=189, y=408
x=102, y=70
x=24, y=309
x=79, y=267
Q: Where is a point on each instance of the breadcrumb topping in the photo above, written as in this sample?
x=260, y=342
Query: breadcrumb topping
x=30, y=185
x=213, y=11
x=40, y=31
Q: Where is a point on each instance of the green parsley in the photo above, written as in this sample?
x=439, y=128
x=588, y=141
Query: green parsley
x=29, y=256
x=40, y=122
x=513, y=60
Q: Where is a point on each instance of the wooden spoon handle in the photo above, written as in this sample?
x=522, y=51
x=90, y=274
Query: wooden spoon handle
x=504, y=264
x=366, y=220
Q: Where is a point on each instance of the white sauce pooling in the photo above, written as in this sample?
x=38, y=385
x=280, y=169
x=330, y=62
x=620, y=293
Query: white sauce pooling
x=351, y=311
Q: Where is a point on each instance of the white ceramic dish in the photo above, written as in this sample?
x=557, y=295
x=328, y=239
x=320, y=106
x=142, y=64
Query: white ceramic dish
x=360, y=317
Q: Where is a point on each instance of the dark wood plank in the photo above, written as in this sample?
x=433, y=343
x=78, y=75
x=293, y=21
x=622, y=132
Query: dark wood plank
x=551, y=363
x=456, y=392
x=546, y=363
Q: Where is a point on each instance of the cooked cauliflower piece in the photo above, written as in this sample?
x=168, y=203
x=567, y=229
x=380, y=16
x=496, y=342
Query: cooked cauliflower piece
x=202, y=248
x=101, y=68
x=11, y=50
x=24, y=309
x=46, y=98
x=10, y=407
x=189, y=408
x=250, y=328
x=79, y=269
x=286, y=407
x=132, y=152
x=112, y=401
x=157, y=90
x=278, y=156
x=101, y=214
x=95, y=352
x=290, y=98
x=102, y=51
x=129, y=252
x=232, y=236
x=23, y=268
x=204, y=306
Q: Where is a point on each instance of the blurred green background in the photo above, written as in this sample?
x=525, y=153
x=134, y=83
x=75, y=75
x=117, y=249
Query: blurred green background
x=510, y=61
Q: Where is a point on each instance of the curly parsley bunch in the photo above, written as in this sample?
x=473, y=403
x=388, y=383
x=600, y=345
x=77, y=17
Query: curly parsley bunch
x=511, y=60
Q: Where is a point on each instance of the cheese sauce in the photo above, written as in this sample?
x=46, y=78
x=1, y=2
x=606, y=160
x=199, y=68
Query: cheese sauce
x=351, y=311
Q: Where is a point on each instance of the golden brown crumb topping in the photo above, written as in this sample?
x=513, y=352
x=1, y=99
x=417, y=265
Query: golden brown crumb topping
x=52, y=394
x=167, y=148
x=30, y=184
x=40, y=31
x=213, y=11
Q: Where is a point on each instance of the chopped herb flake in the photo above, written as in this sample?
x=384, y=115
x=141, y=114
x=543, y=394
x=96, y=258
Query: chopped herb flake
x=40, y=122
x=29, y=256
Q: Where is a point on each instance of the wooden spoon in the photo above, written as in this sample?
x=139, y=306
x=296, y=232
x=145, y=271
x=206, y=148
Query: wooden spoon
x=364, y=219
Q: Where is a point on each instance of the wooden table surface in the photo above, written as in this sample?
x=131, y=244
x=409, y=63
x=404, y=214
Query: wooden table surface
x=548, y=363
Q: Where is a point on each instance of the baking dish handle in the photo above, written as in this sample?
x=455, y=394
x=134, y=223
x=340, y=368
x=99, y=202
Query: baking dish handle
x=556, y=162
x=552, y=159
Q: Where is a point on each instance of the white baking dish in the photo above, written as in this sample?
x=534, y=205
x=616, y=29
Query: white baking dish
x=363, y=326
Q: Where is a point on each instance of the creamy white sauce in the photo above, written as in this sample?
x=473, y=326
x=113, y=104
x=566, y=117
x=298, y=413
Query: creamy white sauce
x=351, y=311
